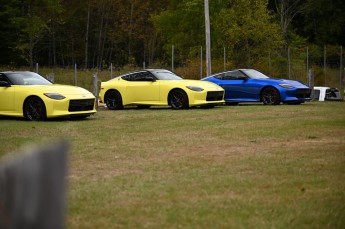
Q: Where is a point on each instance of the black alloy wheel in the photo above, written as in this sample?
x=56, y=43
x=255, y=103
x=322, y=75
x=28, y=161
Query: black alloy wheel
x=270, y=96
x=34, y=109
x=113, y=100
x=178, y=99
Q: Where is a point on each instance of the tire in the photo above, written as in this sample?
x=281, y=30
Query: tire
x=113, y=100
x=34, y=109
x=270, y=96
x=178, y=99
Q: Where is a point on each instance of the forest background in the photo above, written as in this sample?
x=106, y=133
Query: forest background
x=279, y=37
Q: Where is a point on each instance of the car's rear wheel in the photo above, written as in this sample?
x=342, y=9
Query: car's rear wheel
x=270, y=96
x=34, y=109
x=113, y=100
x=178, y=99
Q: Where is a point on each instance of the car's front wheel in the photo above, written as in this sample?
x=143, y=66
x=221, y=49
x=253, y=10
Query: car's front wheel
x=113, y=100
x=270, y=96
x=34, y=109
x=178, y=99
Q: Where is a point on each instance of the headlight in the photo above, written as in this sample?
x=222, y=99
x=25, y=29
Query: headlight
x=284, y=85
x=195, y=88
x=56, y=96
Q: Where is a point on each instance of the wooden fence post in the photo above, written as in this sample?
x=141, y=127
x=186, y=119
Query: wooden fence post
x=95, y=87
x=32, y=188
x=311, y=76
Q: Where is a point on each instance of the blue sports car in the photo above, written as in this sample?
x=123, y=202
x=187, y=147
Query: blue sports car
x=249, y=85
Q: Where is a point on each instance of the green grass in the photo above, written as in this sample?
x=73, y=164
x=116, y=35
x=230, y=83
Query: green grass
x=246, y=166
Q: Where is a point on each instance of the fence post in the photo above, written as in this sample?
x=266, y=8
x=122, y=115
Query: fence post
x=324, y=62
x=311, y=77
x=172, y=58
x=224, y=59
x=269, y=63
x=341, y=66
x=32, y=188
x=289, y=63
x=201, y=62
x=95, y=87
x=111, y=70
x=307, y=62
x=51, y=77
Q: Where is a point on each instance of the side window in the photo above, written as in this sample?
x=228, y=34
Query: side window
x=147, y=76
x=136, y=76
x=142, y=76
x=219, y=76
x=3, y=78
x=234, y=75
x=127, y=77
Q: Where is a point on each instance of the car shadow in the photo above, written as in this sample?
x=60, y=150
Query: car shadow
x=59, y=119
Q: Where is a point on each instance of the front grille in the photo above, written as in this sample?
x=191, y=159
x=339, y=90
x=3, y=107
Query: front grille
x=81, y=105
x=303, y=93
x=214, y=95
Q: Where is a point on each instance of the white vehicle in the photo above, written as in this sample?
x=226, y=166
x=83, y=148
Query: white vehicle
x=326, y=94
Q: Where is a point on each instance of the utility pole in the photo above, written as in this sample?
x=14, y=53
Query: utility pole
x=208, y=39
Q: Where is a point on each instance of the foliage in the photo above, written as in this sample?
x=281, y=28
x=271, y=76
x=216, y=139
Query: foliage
x=247, y=31
x=96, y=34
x=324, y=22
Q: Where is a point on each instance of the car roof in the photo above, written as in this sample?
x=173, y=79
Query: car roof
x=14, y=72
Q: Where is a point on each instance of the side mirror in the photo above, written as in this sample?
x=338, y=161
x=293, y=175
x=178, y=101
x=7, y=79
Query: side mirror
x=4, y=84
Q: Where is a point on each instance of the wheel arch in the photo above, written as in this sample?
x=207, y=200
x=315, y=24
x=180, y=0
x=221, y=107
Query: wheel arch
x=33, y=96
x=176, y=89
x=119, y=94
x=45, y=115
x=268, y=86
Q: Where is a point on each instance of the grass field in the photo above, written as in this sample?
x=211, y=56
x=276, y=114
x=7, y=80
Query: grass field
x=246, y=166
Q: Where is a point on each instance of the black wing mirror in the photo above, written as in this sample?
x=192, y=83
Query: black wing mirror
x=4, y=84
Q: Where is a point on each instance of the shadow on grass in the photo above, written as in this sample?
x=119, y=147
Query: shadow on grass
x=59, y=119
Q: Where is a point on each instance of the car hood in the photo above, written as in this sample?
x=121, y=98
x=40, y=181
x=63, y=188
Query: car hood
x=293, y=83
x=203, y=84
x=61, y=89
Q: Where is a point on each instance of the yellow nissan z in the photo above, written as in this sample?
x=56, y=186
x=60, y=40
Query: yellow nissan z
x=29, y=95
x=159, y=87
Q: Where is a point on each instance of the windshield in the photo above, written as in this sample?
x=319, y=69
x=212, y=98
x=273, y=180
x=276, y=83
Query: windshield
x=254, y=74
x=166, y=75
x=26, y=78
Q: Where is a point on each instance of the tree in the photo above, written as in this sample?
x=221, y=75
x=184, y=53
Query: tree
x=324, y=22
x=248, y=31
x=183, y=26
x=287, y=11
x=33, y=22
x=9, y=10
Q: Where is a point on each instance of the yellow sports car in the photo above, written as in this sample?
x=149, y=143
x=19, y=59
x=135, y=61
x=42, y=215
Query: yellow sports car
x=159, y=87
x=29, y=95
